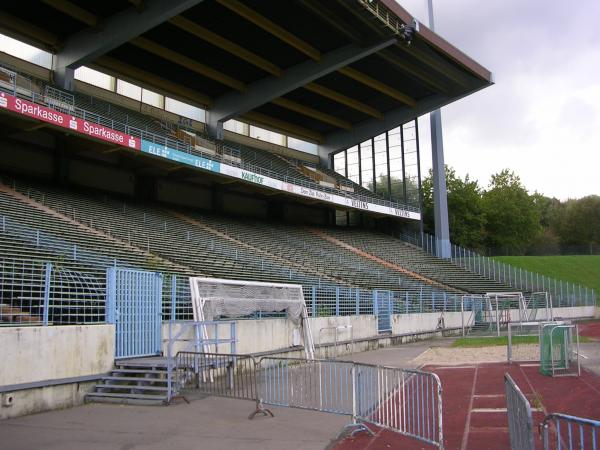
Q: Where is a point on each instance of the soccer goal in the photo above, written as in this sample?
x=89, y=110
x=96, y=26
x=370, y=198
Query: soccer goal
x=559, y=349
x=524, y=340
x=490, y=314
x=213, y=298
x=539, y=307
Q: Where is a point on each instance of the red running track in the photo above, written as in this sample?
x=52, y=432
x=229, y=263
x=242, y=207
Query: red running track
x=474, y=413
x=590, y=329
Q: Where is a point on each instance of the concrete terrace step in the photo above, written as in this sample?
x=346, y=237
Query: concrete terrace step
x=130, y=387
x=140, y=371
x=144, y=379
x=110, y=397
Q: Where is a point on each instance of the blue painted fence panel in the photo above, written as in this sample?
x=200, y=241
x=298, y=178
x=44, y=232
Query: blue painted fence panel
x=382, y=305
x=134, y=305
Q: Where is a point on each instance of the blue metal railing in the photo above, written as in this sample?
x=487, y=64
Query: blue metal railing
x=567, y=293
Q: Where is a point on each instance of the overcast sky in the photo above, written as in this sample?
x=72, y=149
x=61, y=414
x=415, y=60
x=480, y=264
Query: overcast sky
x=542, y=117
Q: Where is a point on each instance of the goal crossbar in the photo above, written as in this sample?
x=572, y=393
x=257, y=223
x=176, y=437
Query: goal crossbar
x=214, y=297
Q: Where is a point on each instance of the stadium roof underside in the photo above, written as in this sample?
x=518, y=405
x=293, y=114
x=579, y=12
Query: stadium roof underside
x=335, y=72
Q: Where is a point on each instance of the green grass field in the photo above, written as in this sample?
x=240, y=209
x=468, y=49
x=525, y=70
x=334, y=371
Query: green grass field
x=500, y=340
x=584, y=269
x=493, y=341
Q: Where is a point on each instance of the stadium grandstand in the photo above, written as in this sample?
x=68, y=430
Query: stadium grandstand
x=256, y=141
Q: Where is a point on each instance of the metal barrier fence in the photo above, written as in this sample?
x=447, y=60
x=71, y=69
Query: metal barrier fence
x=520, y=420
x=562, y=431
x=319, y=385
x=408, y=402
x=78, y=293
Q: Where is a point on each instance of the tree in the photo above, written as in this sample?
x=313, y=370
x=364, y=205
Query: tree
x=579, y=221
x=513, y=219
x=465, y=209
x=397, y=192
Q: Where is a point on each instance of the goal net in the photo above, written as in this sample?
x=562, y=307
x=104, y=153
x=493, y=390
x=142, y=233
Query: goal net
x=524, y=341
x=213, y=298
x=490, y=314
x=538, y=307
x=559, y=349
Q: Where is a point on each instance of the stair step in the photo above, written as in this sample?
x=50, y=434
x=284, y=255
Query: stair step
x=144, y=371
x=131, y=387
x=112, y=395
x=118, y=378
x=141, y=366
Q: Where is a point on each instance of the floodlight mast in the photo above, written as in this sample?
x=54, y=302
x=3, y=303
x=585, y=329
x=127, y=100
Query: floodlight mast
x=440, y=197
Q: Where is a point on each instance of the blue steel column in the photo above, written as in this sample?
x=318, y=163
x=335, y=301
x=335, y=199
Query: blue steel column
x=440, y=200
x=47, y=281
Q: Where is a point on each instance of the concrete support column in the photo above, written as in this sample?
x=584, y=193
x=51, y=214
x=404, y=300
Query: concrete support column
x=214, y=126
x=440, y=197
x=64, y=77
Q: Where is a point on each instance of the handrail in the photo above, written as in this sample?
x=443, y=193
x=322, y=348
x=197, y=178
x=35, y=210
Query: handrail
x=501, y=272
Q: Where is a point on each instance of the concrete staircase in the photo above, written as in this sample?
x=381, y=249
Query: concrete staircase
x=133, y=382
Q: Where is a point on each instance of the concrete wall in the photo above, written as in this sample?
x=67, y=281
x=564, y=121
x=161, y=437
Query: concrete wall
x=415, y=323
x=26, y=159
x=244, y=205
x=268, y=335
x=37, y=354
x=184, y=194
x=101, y=177
x=257, y=336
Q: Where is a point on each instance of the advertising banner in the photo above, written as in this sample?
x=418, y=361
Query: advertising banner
x=67, y=121
x=179, y=156
x=84, y=127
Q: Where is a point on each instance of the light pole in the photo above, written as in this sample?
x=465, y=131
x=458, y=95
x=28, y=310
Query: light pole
x=440, y=198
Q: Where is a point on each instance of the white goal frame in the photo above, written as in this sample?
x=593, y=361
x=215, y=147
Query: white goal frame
x=199, y=302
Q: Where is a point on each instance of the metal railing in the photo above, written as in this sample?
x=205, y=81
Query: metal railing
x=520, y=418
x=563, y=431
x=140, y=234
x=558, y=431
x=562, y=292
x=408, y=402
x=176, y=144
x=326, y=299
x=404, y=400
x=42, y=293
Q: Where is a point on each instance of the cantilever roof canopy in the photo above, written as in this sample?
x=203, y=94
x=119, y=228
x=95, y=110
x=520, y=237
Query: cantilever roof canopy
x=334, y=72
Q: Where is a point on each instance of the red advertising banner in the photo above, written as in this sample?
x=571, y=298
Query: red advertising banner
x=72, y=123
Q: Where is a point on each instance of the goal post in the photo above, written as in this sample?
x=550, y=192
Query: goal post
x=524, y=341
x=216, y=297
x=559, y=350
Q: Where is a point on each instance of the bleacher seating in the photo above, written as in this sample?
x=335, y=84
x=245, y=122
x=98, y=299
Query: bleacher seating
x=412, y=257
x=238, y=248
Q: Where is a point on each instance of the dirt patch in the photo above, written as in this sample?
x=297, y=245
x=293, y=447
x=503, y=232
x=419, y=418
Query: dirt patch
x=460, y=356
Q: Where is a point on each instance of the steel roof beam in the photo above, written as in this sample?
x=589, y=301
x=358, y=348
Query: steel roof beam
x=271, y=27
x=234, y=104
x=72, y=10
x=362, y=131
x=86, y=45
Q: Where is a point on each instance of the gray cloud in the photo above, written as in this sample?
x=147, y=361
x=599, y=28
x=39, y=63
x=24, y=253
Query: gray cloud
x=542, y=118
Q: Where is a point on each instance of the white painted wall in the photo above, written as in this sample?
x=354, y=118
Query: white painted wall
x=255, y=336
x=30, y=354
x=412, y=323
